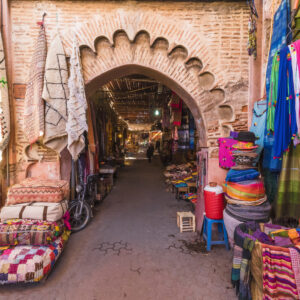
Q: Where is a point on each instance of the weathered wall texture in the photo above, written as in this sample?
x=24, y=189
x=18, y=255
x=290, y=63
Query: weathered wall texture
x=197, y=49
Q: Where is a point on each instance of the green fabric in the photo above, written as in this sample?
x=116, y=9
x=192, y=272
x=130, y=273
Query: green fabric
x=271, y=184
x=288, y=198
x=273, y=93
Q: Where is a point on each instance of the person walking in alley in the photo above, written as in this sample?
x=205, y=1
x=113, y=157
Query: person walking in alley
x=150, y=152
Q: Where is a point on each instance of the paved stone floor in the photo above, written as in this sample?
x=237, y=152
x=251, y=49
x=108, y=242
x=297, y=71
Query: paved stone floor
x=132, y=250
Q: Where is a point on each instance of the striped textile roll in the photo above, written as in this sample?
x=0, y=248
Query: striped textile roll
x=278, y=275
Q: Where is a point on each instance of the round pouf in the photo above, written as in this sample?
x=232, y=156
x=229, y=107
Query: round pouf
x=214, y=201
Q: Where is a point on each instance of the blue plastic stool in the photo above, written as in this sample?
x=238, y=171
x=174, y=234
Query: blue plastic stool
x=207, y=230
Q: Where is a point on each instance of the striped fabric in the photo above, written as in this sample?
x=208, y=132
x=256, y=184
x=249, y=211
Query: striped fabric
x=249, y=190
x=278, y=276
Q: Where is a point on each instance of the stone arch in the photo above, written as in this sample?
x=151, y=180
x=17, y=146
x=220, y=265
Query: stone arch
x=121, y=44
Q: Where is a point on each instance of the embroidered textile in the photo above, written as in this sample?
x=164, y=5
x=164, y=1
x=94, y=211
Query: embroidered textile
x=33, y=104
x=226, y=152
x=38, y=190
x=77, y=105
x=4, y=103
x=29, y=232
x=56, y=94
x=24, y=264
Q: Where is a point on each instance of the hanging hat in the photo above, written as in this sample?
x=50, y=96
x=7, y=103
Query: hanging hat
x=246, y=136
x=245, y=146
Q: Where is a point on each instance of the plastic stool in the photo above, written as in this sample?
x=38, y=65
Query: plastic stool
x=207, y=232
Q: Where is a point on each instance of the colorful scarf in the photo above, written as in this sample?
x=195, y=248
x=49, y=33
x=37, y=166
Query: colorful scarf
x=285, y=125
x=77, y=105
x=273, y=93
x=33, y=104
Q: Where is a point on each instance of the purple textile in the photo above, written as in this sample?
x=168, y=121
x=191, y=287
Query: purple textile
x=225, y=152
x=234, y=134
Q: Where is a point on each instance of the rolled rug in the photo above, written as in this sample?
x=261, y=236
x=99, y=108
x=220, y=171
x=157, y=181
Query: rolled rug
x=243, y=213
x=231, y=200
x=230, y=223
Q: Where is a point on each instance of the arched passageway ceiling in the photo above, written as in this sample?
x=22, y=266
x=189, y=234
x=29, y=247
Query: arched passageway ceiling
x=173, y=53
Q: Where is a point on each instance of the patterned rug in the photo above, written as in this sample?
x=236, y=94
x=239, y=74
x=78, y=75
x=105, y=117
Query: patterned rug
x=24, y=264
x=56, y=94
x=77, y=105
x=4, y=103
x=33, y=105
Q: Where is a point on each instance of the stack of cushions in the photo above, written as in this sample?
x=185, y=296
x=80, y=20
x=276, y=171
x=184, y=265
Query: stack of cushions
x=244, y=190
x=32, y=229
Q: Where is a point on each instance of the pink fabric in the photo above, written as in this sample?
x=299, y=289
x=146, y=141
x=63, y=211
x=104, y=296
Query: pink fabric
x=295, y=258
x=297, y=47
x=225, y=152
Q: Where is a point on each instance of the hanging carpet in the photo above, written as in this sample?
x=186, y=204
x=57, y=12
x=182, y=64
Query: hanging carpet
x=33, y=105
x=56, y=94
x=77, y=106
x=4, y=102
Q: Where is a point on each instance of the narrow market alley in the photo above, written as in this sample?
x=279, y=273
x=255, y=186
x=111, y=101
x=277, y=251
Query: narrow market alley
x=133, y=250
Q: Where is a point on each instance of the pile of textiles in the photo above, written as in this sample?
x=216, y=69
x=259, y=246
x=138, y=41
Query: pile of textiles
x=33, y=229
x=181, y=174
x=244, y=190
x=191, y=197
x=266, y=261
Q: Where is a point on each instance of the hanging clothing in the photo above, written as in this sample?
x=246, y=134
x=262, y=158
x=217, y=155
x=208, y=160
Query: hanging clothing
x=259, y=120
x=33, y=125
x=285, y=126
x=273, y=92
x=296, y=81
x=281, y=35
x=4, y=103
x=56, y=94
x=77, y=106
x=288, y=197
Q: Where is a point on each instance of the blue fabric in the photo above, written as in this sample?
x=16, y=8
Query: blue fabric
x=259, y=121
x=241, y=175
x=269, y=162
x=285, y=125
x=281, y=36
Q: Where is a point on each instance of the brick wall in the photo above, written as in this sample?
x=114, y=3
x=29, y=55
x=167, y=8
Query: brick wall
x=211, y=64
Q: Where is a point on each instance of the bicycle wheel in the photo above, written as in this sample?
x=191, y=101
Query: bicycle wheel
x=79, y=221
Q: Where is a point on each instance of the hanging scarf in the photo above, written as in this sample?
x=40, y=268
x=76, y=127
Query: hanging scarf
x=273, y=93
x=296, y=80
x=285, y=116
x=77, y=105
x=4, y=103
x=56, y=94
x=33, y=104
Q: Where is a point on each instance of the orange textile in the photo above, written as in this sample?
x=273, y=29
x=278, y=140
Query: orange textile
x=38, y=190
